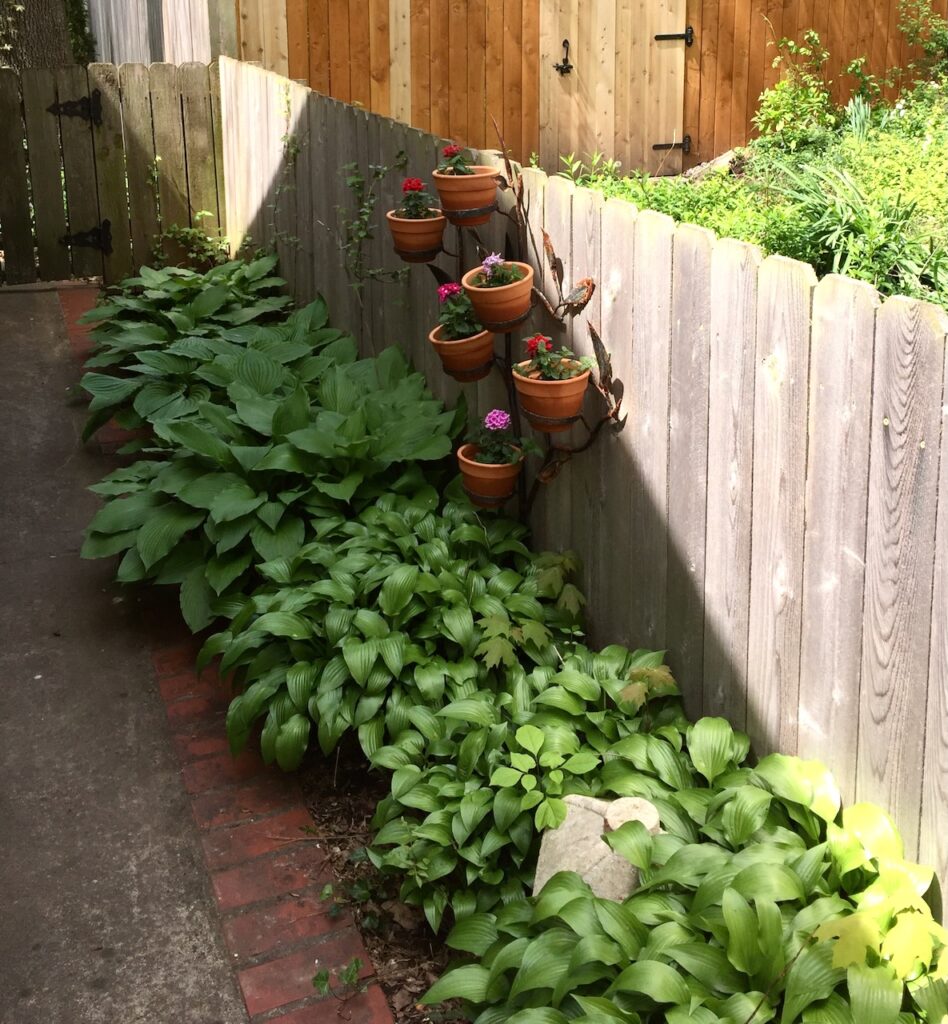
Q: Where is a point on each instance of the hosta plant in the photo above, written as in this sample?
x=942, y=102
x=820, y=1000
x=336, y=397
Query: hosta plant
x=760, y=902
x=384, y=619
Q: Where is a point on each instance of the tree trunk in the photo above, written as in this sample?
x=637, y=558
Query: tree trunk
x=40, y=36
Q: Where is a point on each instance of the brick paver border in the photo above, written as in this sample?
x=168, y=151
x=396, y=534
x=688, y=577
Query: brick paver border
x=266, y=871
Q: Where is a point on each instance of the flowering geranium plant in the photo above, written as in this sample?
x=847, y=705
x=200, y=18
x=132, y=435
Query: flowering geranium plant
x=496, y=271
x=416, y=203
x=456, y=314
x=454, y=161
x=496, y=444
x=545, y=363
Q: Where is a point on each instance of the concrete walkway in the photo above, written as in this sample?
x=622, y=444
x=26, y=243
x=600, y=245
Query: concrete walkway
x=106, y=914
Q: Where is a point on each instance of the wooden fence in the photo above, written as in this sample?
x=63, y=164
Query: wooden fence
x=775, y=511
x=173, y=31
x=97, y=163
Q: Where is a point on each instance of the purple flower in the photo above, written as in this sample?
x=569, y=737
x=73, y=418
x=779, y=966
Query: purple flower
x=494, y=260
x=497, y=419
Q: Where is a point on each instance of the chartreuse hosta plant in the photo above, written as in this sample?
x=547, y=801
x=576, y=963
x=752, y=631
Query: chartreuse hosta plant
x=384, y=621
x=760, y=902
x=255, y=479
x=471, y=796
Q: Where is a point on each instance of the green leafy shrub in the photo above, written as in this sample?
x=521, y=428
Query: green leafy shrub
x=760, y=901
x=383, y=620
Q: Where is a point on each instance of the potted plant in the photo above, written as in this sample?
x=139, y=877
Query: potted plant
x=491, y=461
x=500, y=291
x=551, y=385
x=417, y=225
x=468, y=191
x=465, y=349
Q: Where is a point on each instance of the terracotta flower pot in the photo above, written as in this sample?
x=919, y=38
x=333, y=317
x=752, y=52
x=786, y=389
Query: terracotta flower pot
x=501, y=308
x=417, y=240
x=488, y=485
x=466, y=359
x=468, y=199
x=550, y=405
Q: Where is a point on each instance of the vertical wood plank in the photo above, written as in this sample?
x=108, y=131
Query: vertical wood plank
x=49, y=209
x=19, y=256
x=380, y=87
x=530, y=77
x=900, y=555
x=692, y=100
x=317, y=20
x=610, y=597
x=222, y=17
x=297, y=35
x=276, y=41
x=724, y=91
x=665, y=98
x=324, y=255
x=197, y=120
x=479, y=132
x=457, y=47
x=688, y=458
x=708, y=41
x=741, y=76
x=494, y=71
x=780, y=399
x=757, y=59
x=420, y=65
x=734, y=269
x=216, y=125
x=513, y=77
x=548, y=111
x=340, y=84
x=399, y=17
x=603, y=22
x=439, y=29
x=933, y=843
x=360, y=70
x=774, y=35
x=78, y=171
x=648, y=426
x=834, y=551
x=169, y=146
x=109, y=149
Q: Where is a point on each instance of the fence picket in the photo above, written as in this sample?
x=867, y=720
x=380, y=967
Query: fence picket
x=46, y=187
x=903, y=477
x=197, y=118
x=79, y=171
x=139, y=160
x=734, y=267
x=688, y=458
x=780, y=401
x=840, y=402
x=109, y=146
x=14, y=191
x=169, y=146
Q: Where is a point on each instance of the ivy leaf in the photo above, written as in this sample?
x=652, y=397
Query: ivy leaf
x=497, y=651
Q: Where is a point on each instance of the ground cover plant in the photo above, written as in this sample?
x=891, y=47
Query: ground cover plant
x=858, y=190
x=301, y=503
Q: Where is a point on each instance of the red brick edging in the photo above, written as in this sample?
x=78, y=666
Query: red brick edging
x=265, y=871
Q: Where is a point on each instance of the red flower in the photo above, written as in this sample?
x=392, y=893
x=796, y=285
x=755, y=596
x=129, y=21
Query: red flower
x=413, y=185
x=450, y=151
x=535, y=342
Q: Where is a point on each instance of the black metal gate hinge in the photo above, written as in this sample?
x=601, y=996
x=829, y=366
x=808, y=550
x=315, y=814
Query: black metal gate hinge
x=688, y=35
x=99, y=237
x=684, y=145
x=89, y=108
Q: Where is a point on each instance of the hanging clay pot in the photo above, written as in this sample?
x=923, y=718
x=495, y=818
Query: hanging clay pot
x=550, y=405
x=468, y=199
x=417, y=240
x=467, y=359
x=487, y=484
x=503, y=307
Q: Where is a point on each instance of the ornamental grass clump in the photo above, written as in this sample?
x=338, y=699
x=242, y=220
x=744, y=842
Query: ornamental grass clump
x=456, y=314
x=546, y=363
x=416, y=203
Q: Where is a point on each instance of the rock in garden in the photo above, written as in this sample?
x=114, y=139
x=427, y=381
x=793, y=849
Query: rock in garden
x=577, y=845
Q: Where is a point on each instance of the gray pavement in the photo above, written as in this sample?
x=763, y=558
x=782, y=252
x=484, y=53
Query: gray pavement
x=106, y=915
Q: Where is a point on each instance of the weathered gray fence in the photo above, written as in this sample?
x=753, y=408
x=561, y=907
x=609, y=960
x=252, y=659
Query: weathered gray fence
x=770, y=513
x=99, y=161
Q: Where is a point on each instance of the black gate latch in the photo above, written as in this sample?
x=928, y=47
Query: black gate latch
x=688, y=35
x=89, y=108
x=684, y=145
x=564, y=67
x=95, y=238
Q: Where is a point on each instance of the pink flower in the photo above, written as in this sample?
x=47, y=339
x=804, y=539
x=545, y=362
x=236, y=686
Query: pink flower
x=497, y=419
x=448, y=291
x=413, y=185
x=534, y=343
x=450, y=151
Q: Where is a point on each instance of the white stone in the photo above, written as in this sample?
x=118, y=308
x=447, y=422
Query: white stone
x=577, y=845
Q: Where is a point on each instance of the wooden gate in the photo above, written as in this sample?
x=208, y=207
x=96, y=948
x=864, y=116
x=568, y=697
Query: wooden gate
x=98, y=162
x=612, y=81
